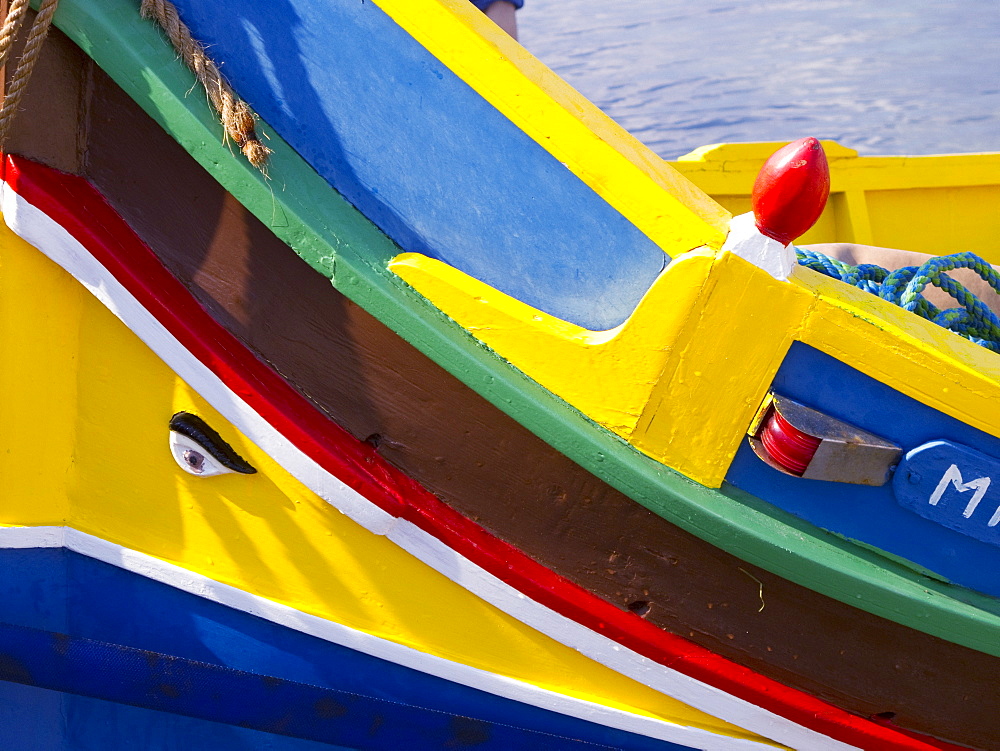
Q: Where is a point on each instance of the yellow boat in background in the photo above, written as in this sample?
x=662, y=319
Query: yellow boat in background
x=928, y=204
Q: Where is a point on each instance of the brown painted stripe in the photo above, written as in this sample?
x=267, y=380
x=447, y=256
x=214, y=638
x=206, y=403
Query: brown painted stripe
x=488, y=467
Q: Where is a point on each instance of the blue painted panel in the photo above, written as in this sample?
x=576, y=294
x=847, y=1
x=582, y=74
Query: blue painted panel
x=31, y=718
x=872, y=515
x=125, y=675
x=217, y=655
x=34, y=719
x=425, y=157
x=953, y=486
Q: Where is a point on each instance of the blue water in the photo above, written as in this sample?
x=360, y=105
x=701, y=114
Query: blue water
x=883, y=77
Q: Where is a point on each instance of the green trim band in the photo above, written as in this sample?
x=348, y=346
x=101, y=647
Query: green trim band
x=301, y=209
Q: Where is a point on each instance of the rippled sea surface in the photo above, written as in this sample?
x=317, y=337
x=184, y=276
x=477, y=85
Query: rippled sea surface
x=880, y=76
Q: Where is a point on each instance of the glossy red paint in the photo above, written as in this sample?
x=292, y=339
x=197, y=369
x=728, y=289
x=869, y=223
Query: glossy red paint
x=791, y=189
x=787, y=445
x=75, y=204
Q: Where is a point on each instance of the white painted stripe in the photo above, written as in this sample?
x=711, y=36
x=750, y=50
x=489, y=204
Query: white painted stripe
x=39, y=230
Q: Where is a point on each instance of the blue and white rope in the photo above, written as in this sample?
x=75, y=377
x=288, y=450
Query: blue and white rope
x=972, y=318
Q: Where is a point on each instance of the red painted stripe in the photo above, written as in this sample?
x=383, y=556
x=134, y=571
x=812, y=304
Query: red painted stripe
x=934, y=742
x=76, y=205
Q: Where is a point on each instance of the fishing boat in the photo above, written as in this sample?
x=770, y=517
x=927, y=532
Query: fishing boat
x=418, y=405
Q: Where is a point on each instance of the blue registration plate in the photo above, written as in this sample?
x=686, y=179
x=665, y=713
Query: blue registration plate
x=953, y=485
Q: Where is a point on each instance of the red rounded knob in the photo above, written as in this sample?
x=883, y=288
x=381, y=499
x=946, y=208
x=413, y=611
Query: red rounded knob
x=791, y=190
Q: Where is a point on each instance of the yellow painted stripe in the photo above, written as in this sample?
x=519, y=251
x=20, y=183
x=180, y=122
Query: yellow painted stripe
x=699, y=412
x=663, y=204
x=607, y=375
x=682, y=378
x=84, y=419
x=724, y=363
x=913, y=356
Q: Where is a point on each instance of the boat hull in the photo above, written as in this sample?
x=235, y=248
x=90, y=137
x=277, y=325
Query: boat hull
x=646, y=590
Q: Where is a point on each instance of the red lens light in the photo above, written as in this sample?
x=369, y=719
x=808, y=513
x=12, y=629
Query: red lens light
x=788, y=446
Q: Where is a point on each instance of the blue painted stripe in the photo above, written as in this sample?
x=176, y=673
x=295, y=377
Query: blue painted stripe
x=34, y=719
x=131, y=636
x=166, y=683
x=425, y=157
x=124, y=675
x=872, y=515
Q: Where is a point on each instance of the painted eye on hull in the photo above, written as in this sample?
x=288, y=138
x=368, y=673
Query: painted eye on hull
x=200, y=450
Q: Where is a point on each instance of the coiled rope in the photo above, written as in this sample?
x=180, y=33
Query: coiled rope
x=237, y=117
x=32, y=48
x=972, y=318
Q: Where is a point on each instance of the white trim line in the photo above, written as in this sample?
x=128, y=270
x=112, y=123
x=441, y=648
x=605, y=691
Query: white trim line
x=48, y=236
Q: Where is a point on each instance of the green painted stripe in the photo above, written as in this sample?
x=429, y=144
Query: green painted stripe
x=341, y=244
